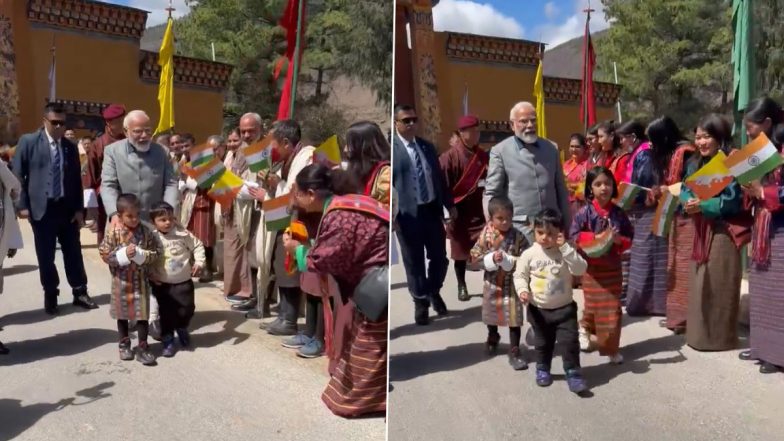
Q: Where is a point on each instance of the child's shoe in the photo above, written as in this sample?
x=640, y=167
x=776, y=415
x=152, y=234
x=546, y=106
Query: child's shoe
x=184, y=336
x=144, y=356
x=313, y=349
x=616, y=359
x=576, y=382
x=125, y=349
x=168, y=346
x=585, y=340
x=543, y=378
x=516, y=359
x=492, y=343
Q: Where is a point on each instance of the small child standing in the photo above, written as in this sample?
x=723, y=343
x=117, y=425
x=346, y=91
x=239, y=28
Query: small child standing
x=130, y=249
x=603, y=232
x=495, y=252
x=172, y=282
x=543, y=279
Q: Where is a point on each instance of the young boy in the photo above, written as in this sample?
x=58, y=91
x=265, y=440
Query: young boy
x=495, y=252
x=130, y=249
x=172, y=282
x=543, y=279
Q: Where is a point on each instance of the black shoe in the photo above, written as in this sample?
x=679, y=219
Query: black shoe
x=255, y=315
x=267, y=325
x=282, y=328
x=439, y=306
x=516, y=359
x=154, y=330
x=144, y=356
x=126, y=353
x=245, y=306
x=52, y=310
x=84, y=301
x=3, y=350
x=206, y=276
x=767, y=368
x=50, y=303
x=491, y=345
x=745, y=355
x=421, y=314
x=462, y=293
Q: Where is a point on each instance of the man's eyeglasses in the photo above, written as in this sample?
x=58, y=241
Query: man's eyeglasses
x=409, y=121
x=55, y=122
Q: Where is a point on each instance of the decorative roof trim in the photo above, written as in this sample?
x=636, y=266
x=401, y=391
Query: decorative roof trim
x=86, y=108
x=90, y=16
x=187, y=71
x=567, y=90
x=470, y=47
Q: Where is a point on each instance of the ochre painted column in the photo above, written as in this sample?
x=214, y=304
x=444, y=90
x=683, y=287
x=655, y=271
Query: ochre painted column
x=9, y=92
x=423, y=68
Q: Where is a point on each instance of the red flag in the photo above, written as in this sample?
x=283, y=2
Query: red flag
x=587, y=98
x=289, y=22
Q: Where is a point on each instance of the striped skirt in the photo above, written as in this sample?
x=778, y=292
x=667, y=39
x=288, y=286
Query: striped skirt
x=714, y=297
x=647, y=292
x=602, y=310
x=202, y=222
x=767, y=301
x=678, y=262
x=634, y=216
x=359, y=384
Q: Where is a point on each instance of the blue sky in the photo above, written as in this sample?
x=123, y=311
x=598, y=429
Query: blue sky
x=157, y=8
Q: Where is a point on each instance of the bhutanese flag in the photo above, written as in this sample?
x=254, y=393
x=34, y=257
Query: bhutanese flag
x=665, y=211
x=209, y=173
x=328, y=153
x=711, y=179
x=276, y=213
x=627, y=193
x=226, y=189
x=599, y=245
x=201, y=154
x=260, y=155
x=754, y=161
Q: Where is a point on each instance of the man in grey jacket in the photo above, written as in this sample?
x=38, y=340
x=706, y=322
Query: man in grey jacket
x=527, y=169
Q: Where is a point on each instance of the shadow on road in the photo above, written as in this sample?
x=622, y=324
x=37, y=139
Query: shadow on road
x=634, y=354
x=398, y=285
x=18, y=269
x=230, y=319
x=404, y=367
x=458, y=318
x=59, y=345
x=15, y=418
x=38, y=315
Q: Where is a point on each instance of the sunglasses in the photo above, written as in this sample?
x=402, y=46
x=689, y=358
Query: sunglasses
x=55, y=122
x=409, y=121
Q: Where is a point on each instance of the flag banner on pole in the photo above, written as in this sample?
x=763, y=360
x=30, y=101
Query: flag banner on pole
x=226, y=189
x=276, y=213
x=166, y=84
x=711, y=179
x=541, y=126
x=600, y=245
x=587, y=95
x=328, y=153
x=209, y=173
x=627, y=193
x=665, y=211
x=53, y=77
x=743, y=61
x=260, y=155
x=755, y=160
x=201, y=154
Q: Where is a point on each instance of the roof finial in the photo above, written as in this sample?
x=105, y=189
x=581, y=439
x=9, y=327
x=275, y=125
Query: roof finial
x=588, y=10
x=170, y=9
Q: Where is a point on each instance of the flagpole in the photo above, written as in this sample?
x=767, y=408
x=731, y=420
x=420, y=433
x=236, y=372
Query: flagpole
x=615, y=68
x=585, y=64
x=53, y=71
x=296, y=60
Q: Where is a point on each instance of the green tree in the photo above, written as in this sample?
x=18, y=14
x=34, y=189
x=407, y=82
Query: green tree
x=769, y=53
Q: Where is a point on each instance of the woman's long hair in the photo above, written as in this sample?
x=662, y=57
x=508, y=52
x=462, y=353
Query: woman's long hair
x=665, y=136
x=325, y=181
x=763, y=108
x=608, y=127
x=720, y=129
x=366, y=146
x=635, y=128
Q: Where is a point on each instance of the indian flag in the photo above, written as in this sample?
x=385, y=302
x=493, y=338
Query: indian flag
x=258, y=154
x=209, y=173
x=754, y=161
x=226, y=189
x=276, y=213
x=665, y=211
x=627, y=193
x=328, y=153
x=201, y=154
x=600, y=244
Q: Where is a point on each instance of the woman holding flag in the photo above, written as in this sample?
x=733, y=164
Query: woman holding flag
x=613, y=156
x=714, y=289
x=765, y=116
x=575, y=169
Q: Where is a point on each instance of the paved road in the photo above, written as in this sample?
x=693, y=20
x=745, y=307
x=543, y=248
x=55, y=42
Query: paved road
x=445, y=388
x=64, y=381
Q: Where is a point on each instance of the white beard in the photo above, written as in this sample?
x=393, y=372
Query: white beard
x=142, y=147
x=528, y=138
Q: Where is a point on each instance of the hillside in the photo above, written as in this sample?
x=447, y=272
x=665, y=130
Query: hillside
x=566, y=59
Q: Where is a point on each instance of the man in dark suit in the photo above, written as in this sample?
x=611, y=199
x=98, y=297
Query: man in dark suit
x=422, y=196
x=48, y=167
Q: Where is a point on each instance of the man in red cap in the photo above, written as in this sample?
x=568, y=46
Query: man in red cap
x=113, y=115
x=464, y=168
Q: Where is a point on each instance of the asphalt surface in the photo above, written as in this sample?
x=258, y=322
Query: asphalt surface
x=64, y=381
x=446, y=388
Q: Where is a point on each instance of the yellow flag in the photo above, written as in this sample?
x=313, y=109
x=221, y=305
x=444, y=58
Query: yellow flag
x=541, y=127
x=166, y=85
x=328, y=153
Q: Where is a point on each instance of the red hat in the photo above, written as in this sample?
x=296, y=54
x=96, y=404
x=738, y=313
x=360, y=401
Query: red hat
x=113, y=111
x=467, y=121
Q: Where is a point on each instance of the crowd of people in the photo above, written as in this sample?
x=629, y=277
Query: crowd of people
x=538, y=226
x=158, y=230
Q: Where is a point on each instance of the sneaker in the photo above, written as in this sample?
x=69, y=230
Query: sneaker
x=296, y=341
x=516, y=359
x=616, y=359
x=125, y=350
x=576, y=382
x=144, y=356
x=235, y=299
x=184, y=336
x=168, y=347
x=585, y=340
x=543, y=378
x=282, y=328
x=491, y=345
x=314, y=348
x=267, y=325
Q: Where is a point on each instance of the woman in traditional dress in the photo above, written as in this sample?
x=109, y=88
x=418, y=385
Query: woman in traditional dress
x=367, y=154
x=613, y=156
x=352, y=239
x=715, y=272
x=767, y=263
x=10, y=234
x=647, y=283
x=575, y=169
x=593, y=146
